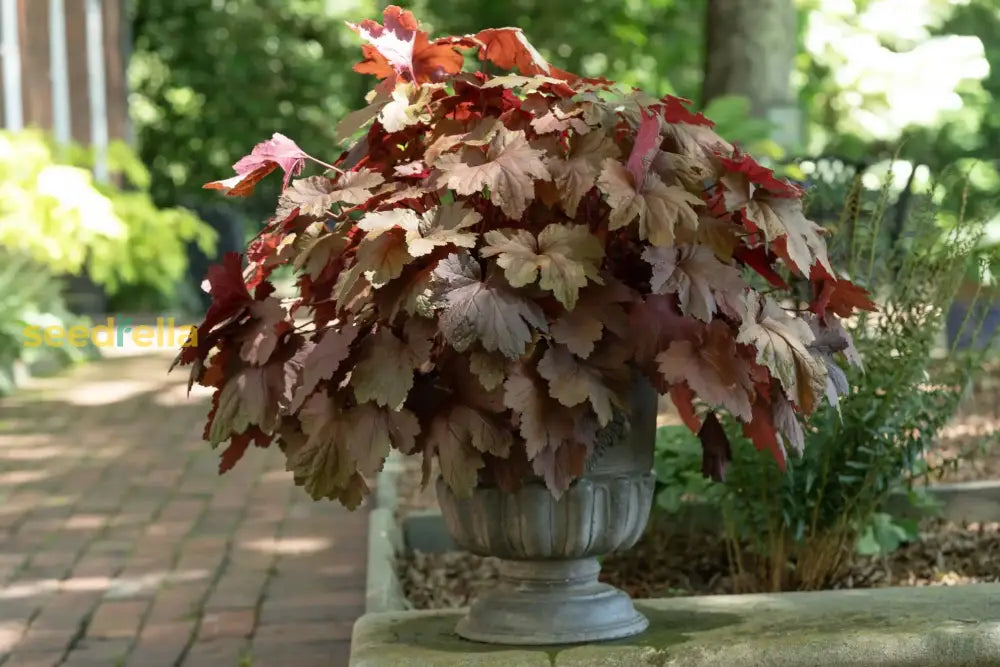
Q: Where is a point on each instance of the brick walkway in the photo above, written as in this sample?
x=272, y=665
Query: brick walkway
x=120, y=544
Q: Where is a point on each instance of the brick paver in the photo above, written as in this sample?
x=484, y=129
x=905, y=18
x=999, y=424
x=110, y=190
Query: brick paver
x=121, y=545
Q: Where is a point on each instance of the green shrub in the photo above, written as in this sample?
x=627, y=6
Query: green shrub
x=29, y=296
x=53, y=213
x=796, y=529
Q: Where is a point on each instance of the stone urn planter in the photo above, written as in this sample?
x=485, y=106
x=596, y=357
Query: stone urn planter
x=548, y=548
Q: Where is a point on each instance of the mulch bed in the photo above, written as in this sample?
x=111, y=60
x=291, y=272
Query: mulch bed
x=664, y=564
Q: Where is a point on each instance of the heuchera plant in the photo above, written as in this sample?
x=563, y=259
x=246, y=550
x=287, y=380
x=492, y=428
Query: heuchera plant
x=481, y=275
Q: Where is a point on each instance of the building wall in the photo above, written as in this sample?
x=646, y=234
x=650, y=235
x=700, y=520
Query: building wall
x=44, y=85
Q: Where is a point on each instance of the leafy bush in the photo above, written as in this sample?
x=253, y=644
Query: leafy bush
x=53, y=213
x=796, y=529
x=29, y=296
x=480, y=261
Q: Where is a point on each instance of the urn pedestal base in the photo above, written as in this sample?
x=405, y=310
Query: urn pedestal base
x=551, y=602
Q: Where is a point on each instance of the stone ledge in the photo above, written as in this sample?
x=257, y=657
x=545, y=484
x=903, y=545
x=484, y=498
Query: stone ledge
x=901, y=627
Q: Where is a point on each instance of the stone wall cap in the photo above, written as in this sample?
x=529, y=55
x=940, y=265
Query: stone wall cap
x=901, y=627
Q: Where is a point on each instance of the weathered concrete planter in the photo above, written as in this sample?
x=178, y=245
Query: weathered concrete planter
x=548, y=591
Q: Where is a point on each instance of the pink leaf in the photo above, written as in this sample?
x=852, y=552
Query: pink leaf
x=278, y=151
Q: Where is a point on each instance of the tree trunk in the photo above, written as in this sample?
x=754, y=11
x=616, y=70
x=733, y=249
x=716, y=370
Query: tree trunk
x=750, y=51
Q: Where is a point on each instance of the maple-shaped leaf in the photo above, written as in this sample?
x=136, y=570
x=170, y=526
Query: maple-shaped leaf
x=481, y=430
x=840, y=297
x=508, y=169
x=371, y=431
x=447, y=224
x=384, y=371
x=399, y=47
x=695, y=274
x=278, y=151
x=316, y=194
x=543, y=423
x=562, y=258
x=577, y=174
x=459, y=460
x=508, y=48
x=658, y=207
x=320, y=461
x=247, y=399
x=489, y=368
x=716, y=451
x=573, y=381
x=599, y=308
x=781, y=342
x=317, y=247
x=719, y=234
x=657, y=317
x=560, y=466
x=383, y=256
x=318, y=362
x=712, y=368
x=485, y=311
x=559, y=116
x=259, y=342
x=783, y=218
x=378, y=222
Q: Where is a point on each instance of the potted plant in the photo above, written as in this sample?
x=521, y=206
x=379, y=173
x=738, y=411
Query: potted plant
x=503, y=272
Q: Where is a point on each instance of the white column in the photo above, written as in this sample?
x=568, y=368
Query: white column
x=13, y=111
x=97, y=89
x=59, y=72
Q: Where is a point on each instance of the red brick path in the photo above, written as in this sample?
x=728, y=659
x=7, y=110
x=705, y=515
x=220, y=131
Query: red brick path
x=120, y=544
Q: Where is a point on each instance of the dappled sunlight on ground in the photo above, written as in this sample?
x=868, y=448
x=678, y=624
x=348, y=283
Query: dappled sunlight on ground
x=120, y=544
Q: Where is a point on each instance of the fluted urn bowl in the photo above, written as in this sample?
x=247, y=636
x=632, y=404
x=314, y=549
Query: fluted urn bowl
x=548, y=591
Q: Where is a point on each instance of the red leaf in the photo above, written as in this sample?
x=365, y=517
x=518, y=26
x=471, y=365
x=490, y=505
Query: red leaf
x=238, y=446
x=682, y=396
x=508, y=48
x=675, y=111
x=761, y=430
x=278, y=151
x=229, y=296
x=840, y=297
x=657, y=318
x=399, y=47
x=759, y=260
x=234, y=452
x=760, y=175
x=647, y=142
